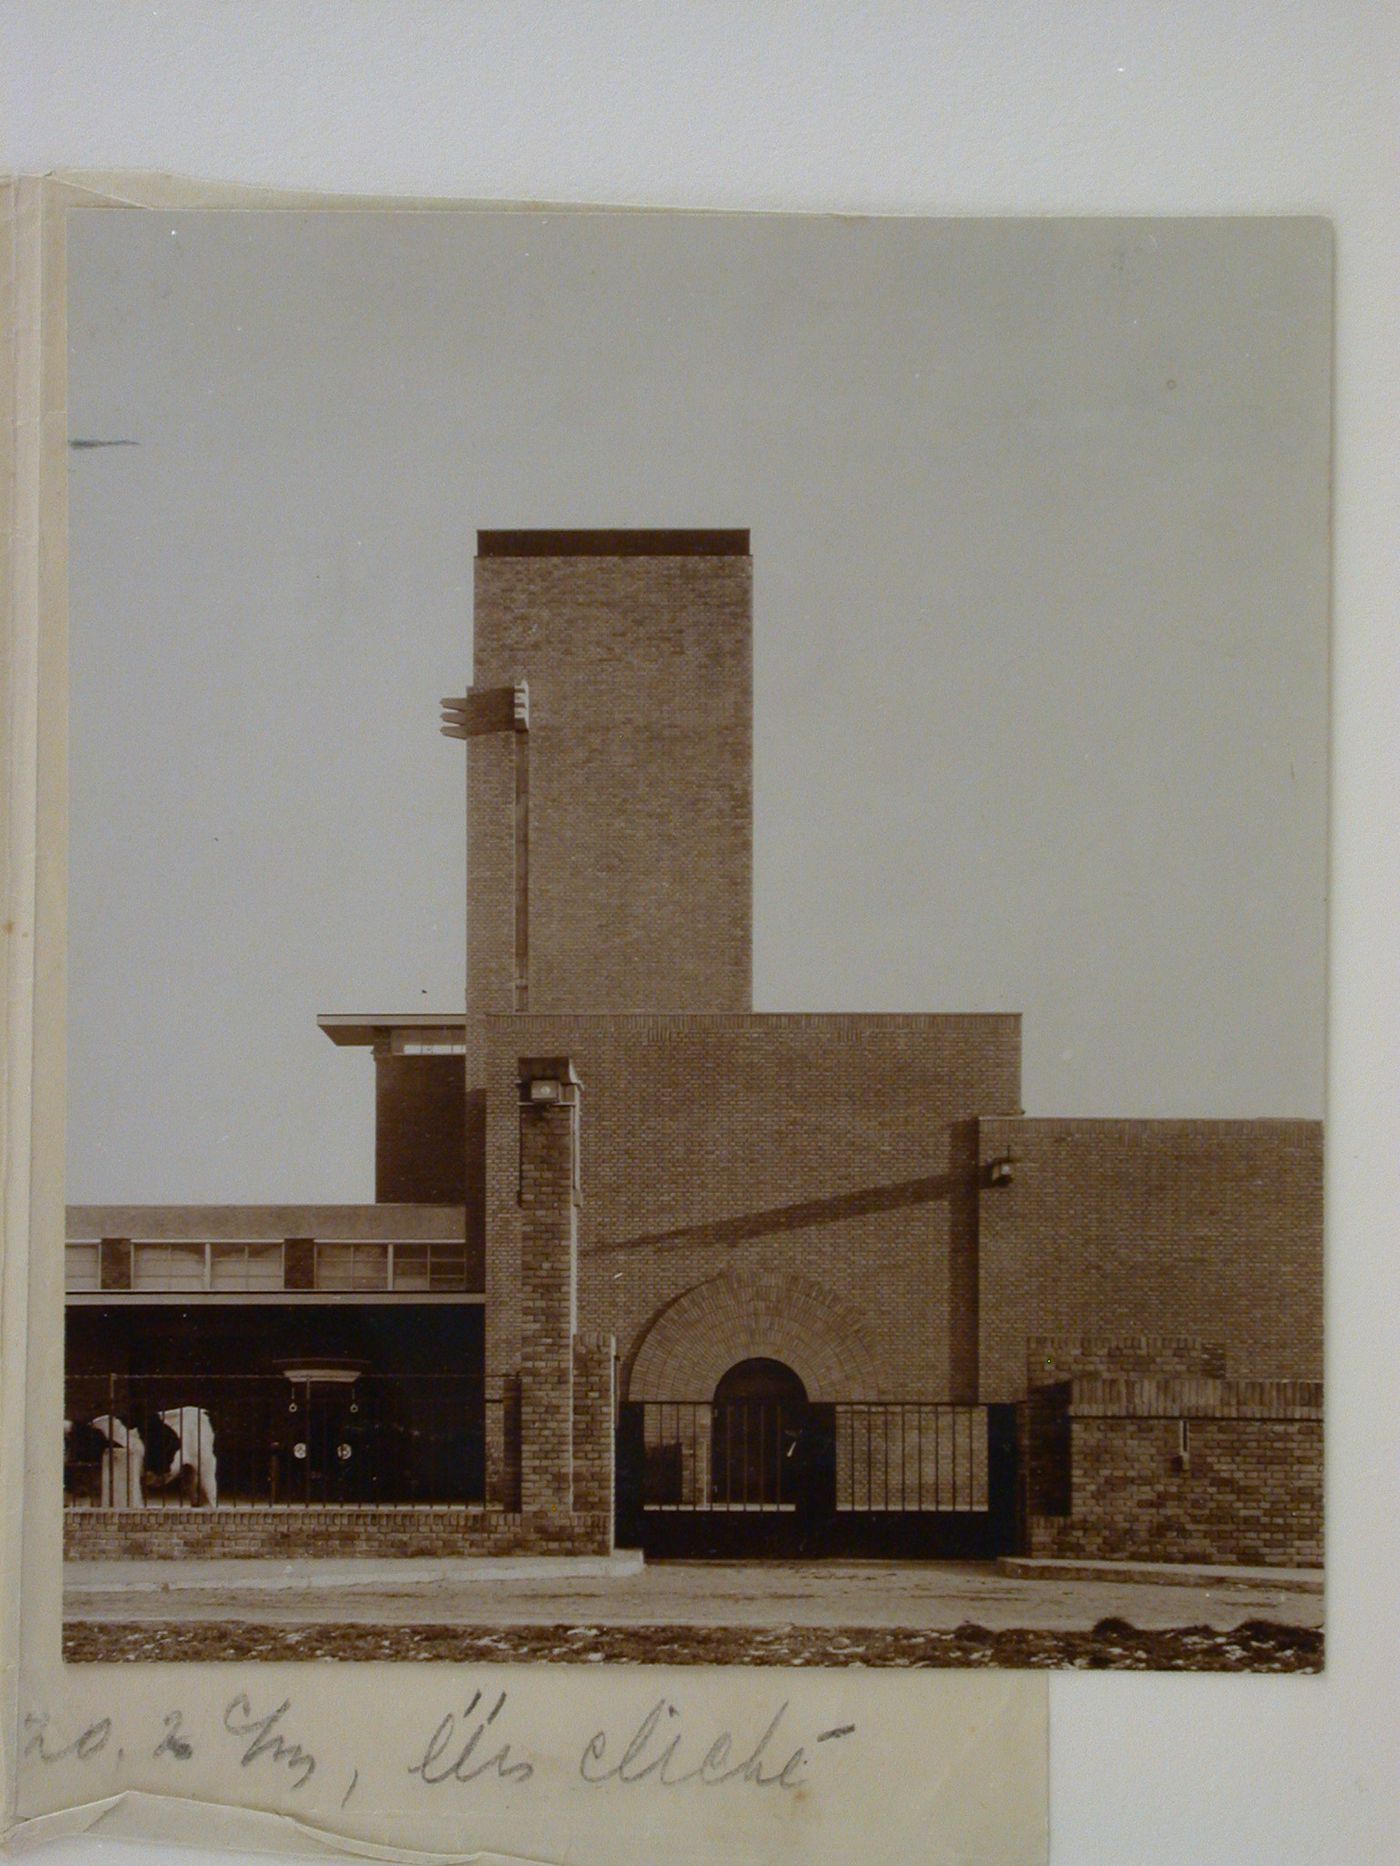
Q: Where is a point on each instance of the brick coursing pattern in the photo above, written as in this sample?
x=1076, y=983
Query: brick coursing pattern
x=1162, y=1396
x=328, y=1531
x=1050, y=1359
x=840, y=1150
x=1251, y=1492
x=1205, y=1229
x=781, y=1315
x=547, y=1303
x=1171, y=1466
x=595, y=1423
x=491, y=872
x=503, y=1437
x=641, y=790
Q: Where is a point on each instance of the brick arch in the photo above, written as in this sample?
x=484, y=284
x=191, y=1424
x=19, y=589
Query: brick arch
x=783, y=1317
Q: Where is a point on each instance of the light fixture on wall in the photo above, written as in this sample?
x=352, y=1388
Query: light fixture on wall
x=1002, y=1171
x=548, y=1079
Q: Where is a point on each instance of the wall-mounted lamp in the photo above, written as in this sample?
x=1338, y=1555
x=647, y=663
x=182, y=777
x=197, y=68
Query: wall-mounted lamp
x=1003, y=1171
x=548, y=1079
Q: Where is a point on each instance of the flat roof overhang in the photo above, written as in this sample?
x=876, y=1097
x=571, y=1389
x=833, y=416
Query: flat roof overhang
x=263, y=1298
x=362, y=1028
x=380, y=1223
x=642, y=543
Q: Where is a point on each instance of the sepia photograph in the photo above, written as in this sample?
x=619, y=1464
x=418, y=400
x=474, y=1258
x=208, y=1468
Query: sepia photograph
x=697, y=886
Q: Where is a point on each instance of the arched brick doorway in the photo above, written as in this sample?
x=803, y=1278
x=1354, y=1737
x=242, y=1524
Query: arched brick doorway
x=758, y=1424
x=784, y=1316
x=755, y=1422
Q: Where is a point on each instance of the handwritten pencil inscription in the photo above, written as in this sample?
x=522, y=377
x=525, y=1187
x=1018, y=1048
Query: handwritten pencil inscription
x=482, y=1742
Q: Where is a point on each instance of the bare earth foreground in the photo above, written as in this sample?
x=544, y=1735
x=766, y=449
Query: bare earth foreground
x=1257, y=1646
x=702, y=1613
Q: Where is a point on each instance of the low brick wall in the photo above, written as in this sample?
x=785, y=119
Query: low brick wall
x=1193, y=1470
x=291, y=1532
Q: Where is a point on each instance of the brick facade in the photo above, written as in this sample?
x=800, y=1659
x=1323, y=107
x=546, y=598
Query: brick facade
x=859, y=1197
x=1205, y=1229
x=727, y=1154
x=551, y=1450
x=1144, y=1451
x=1180, y=1357
x=639, y=667
x=547, y=1289
x=595, y=1416
x=743, y=1314
x=1249, y=1491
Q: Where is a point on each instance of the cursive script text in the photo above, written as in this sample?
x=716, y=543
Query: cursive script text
x=653, y=1752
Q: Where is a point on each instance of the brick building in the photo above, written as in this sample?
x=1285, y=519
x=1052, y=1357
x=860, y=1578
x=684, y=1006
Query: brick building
x=645, y=1263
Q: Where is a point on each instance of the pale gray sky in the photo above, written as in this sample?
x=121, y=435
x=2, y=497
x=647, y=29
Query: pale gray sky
x=1040, y=533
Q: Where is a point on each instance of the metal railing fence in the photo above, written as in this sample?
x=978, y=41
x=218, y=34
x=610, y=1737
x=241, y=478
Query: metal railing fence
x=906, y=1456
x=162, y=1441
x=870, y=1456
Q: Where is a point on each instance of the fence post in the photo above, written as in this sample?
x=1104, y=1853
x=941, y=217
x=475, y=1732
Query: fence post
x=108, y=1490
x=1003, y=1487
x=631, y=1473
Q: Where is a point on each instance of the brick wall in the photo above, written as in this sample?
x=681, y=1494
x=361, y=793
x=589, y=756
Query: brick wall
x=640, y=866
x=1171, y=1468
x=1165, y=1228
x=839, y=1151
x=748, y=1313
x=595, y=1418
x=547, y=1293
x=1183, y=1357
x=327, y=1531
x=503, y=1442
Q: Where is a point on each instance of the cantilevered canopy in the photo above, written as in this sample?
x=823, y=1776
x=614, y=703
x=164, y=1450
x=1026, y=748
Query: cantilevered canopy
x=350, y=1028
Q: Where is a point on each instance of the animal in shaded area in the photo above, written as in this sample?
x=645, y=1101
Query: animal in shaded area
x=83, y=1450
x=180, y=1455
x=123, y=1464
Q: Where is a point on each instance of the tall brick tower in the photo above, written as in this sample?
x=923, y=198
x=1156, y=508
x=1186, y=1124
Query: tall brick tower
x=610, y=846
x=609, y=870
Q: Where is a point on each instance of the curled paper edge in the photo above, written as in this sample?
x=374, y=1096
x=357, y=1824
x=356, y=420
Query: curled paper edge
x=177, y=1820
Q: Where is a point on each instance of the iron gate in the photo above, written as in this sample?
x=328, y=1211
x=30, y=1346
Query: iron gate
x=911, y=1478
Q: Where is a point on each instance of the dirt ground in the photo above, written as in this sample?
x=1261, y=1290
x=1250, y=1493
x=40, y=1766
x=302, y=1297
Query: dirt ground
x=1254, y=1646
x=695, y=1613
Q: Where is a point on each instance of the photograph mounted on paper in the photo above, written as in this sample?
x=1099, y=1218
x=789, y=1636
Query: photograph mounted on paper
x=696, y=938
